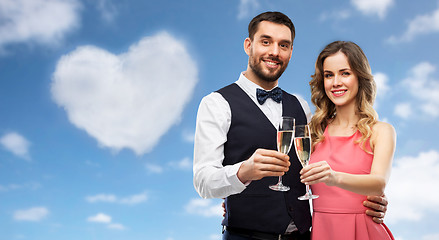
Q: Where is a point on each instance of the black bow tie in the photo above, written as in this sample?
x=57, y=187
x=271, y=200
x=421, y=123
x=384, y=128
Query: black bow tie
x=275, y=94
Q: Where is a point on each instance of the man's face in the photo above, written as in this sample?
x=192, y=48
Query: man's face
x=269, y=51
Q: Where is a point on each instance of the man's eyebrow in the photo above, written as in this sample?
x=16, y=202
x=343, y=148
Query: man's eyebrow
x=266, y=36
x=269, y=37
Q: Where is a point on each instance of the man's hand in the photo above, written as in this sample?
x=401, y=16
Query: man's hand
x=377, y=207
x=263, y=163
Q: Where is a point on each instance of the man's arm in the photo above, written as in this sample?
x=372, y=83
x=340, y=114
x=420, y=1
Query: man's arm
x=211, y=178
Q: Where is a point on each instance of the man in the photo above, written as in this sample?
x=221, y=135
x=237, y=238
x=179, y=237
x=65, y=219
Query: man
x=235, y=154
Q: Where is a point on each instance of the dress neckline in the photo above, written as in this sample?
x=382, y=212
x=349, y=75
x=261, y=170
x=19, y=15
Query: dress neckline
x=326, y=133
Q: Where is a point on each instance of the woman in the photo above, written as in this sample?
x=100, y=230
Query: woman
x=352, y=150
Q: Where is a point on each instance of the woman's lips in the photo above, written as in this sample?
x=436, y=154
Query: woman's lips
x=338, y=93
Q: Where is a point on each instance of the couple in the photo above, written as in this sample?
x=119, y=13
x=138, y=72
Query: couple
x=235, y=154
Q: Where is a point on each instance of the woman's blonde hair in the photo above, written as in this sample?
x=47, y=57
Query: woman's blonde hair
x=325, y=109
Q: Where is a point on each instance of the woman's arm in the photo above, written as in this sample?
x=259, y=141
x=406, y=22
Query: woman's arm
x=383, y=145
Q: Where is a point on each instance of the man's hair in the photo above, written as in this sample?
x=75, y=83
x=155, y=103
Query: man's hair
x=274, y=17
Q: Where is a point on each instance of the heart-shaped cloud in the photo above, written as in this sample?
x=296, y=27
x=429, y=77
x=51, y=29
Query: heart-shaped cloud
x=128, y=100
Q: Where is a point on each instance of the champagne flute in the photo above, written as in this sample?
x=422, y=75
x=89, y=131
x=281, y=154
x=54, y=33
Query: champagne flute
x=302, y=143
x=285, y=135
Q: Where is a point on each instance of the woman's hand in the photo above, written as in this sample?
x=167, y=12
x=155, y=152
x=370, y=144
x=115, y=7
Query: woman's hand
x=318, y=172
x=322, y=172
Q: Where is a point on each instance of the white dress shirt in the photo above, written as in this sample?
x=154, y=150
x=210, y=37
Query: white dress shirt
x=211, y=178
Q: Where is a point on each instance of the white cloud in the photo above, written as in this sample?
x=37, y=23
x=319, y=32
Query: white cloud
x=100, y=218
x=420, y=25
x=134, y=199
x=116, y=226
x=110, y=198
x=383, y=88
x=247, y=8
x=381, y=81
x=339, y=14
x=42, y=21
x=215, y=237
x=366, y=7
x=184, y=164
x=104, y=218
x=423, y=85
x=153, y=168
x=16, y=144
x=128, y=100
x=107, y=9
x=385, y=120
x=411, y=187
x=205, y=207
x=431, y=237
x=373, y=7
x=101, y=198
x=188, y=135
x=32, y=214
x=403, y=110
x=13, y=186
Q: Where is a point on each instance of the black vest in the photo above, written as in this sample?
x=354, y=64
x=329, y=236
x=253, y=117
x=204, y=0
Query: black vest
x=258, y=207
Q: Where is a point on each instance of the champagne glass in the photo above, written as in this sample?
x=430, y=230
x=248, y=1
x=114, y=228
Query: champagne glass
x=302, y=143
x=285, y=135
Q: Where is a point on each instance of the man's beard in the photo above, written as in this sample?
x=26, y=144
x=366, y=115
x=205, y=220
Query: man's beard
x=268, y=77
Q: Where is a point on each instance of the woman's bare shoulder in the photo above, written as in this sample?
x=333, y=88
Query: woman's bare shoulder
x=383, y=129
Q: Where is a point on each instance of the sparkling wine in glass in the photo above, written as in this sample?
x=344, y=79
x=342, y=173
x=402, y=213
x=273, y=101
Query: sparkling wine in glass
x=302, y=144
x=285, y=135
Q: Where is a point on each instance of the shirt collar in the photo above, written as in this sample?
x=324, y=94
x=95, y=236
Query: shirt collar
x=248, y=86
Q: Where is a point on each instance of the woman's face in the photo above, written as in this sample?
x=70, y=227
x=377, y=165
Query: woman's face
x=341, y=83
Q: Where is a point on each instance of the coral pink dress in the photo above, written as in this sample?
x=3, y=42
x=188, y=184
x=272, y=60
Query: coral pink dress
x=339, y=214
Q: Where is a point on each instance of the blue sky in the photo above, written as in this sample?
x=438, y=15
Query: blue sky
x=98, y=101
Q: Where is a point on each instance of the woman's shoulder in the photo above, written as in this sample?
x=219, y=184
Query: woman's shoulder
x=382, y=126
x=383, y=129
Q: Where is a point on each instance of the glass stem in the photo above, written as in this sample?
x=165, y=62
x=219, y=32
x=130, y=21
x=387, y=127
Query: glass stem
x=280, y=181
x=308, y=190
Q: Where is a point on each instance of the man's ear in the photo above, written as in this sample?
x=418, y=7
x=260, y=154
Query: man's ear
x=247, y=45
